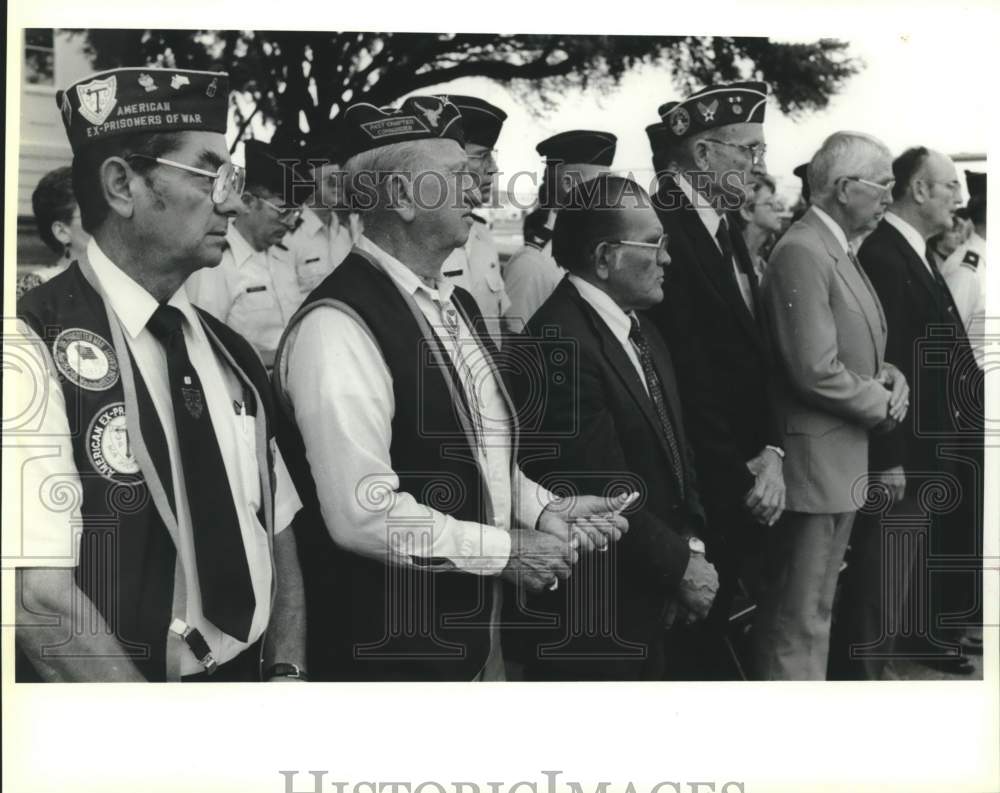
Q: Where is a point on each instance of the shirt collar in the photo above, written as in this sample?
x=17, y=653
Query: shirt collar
x=617, y=320
x=910, y=234
x=834, y=227
x=708, y=215
x=130, y=302
x=311, y=224
x=405, y=278
x=241, y=249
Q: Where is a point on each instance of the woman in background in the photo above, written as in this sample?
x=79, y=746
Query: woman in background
x=58, y=220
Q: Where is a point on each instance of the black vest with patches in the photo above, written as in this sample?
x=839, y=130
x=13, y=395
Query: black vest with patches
x=369, y=620
x=126, y=554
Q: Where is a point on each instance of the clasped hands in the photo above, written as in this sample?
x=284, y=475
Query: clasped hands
x=899, y=397
x=540, y=557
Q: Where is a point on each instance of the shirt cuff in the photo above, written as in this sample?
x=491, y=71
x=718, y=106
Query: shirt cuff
x=530, y=500
x=482, y=549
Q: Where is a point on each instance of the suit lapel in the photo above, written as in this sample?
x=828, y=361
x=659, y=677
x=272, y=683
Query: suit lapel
x=939, y=293
x=710, y=260
x=857, y=283
x=620, y=362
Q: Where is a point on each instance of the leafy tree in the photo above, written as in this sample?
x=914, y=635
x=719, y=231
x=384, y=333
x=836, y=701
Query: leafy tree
x=288, y=77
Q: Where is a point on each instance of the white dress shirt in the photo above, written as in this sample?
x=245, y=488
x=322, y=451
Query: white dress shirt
x=912, y=236
x=711, y=219
x=341, y=392
x=476, y=268
x=50, y=534
x=318, y=248
x=254, y=292
x=618, y=322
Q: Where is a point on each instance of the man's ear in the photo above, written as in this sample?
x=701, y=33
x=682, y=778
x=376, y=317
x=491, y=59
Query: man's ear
x=603, y=259
x=399, y=196
x=118, y=183
x=700, y=155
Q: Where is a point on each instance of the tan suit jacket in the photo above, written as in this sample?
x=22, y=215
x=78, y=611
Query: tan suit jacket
x=830, y=333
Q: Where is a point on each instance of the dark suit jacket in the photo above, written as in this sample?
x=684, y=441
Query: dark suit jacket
x=927, y=341
x=602, y=434
x=723, y=359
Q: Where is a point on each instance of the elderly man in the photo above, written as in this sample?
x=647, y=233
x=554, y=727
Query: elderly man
x=254, y=290
x=328, y=230
x=829, y=332
x=611, y=408
x=708, y=151
x=157, y=414
x=531, y=274
x=927, y=340
x=476, y=265
x=404, y=440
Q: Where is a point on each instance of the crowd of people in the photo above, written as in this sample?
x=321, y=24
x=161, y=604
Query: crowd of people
x=316, y=427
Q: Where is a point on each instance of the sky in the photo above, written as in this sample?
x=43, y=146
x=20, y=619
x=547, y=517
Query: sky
x=915, y=89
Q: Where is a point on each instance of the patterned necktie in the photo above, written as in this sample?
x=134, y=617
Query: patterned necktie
x=459, y=351
x=637, y=337
x=223, y=572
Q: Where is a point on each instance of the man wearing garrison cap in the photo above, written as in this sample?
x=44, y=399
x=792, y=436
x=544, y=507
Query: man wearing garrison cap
x=708, y=151
x=171, y=556
x=401, y=434
x=328, y=230
x=476, y=265
x=532, y=274
x=255, y=289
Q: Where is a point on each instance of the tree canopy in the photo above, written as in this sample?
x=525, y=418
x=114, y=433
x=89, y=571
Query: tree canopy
x=291, y=77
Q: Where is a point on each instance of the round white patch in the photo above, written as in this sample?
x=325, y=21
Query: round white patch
x=109, y=447
x=85, y=359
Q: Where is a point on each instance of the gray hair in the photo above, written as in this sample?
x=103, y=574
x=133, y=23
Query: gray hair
x=844, y=153
x=364, y=173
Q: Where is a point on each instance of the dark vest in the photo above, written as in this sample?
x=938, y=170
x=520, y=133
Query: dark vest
x=369, y=620
x=127, y=556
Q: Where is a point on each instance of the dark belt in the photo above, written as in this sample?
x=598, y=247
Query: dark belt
x=244, y=668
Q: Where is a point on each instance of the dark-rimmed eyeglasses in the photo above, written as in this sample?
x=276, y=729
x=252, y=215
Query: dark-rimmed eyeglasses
x=756, y=151
x=229, y=180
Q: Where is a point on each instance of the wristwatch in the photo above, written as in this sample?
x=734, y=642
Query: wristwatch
x=285, y=670
x=696, y=546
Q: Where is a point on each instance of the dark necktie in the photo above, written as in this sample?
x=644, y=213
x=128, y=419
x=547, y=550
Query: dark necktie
x=223, y=572
x=730, y=258
x=655, y=387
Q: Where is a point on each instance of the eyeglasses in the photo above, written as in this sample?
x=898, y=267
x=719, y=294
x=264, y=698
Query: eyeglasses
x=284, y=213
x=229, y=179
x=756, y=150
x=660, y=245
x=882, y=188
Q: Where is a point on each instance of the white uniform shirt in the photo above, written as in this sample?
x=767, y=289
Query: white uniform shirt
x=341, y=392
x=531, y=275
x=317, y=249
x=47, y=481
x=965, y=273
x=254, y=292
x=476, y=268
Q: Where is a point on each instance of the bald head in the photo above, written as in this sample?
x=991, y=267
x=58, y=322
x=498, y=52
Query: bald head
x=927, y=190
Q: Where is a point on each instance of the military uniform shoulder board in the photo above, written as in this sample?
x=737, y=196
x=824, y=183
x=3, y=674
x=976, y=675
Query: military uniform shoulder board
x=970, y=260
